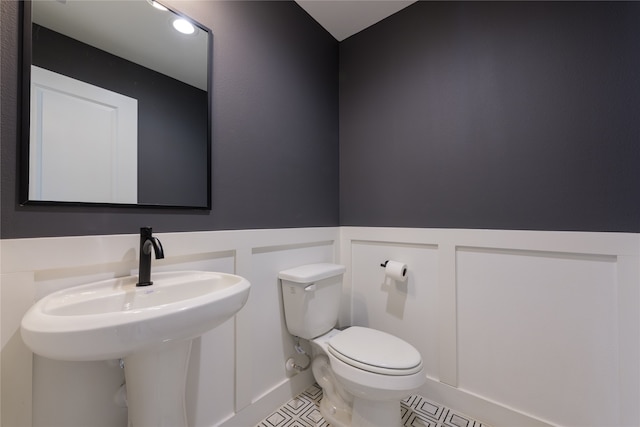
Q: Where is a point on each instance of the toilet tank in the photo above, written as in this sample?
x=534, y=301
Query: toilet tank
x=311, y=296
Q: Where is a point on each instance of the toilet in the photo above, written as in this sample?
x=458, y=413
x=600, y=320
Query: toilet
x=364, y=373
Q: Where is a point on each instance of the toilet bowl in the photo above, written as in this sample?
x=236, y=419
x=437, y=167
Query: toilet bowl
x=364, y=373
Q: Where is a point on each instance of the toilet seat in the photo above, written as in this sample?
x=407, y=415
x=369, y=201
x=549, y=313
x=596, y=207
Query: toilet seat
x=375, y=351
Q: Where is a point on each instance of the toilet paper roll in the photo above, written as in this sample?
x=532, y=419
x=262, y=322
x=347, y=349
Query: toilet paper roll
x=396, y=270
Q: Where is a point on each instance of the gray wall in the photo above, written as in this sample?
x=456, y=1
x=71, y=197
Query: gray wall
x=504, y=115
x=275, y=129
x=469, y=115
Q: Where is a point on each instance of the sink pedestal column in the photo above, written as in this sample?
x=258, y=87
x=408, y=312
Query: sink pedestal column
x=156, y=380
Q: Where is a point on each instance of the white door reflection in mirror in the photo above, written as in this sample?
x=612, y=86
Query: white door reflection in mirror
x=77, y=131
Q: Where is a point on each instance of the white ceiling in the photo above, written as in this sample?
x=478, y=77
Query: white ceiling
x=344, y=18
x=115, y=26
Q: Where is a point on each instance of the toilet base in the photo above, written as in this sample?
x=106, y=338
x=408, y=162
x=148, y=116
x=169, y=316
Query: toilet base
x=334, y=416
x=365, y=413
x=375, y=413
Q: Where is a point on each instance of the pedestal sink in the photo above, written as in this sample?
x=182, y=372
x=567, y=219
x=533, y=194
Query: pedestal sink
x=151, y=328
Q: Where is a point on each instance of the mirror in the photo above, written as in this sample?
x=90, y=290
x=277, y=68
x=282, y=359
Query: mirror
x=116, y=105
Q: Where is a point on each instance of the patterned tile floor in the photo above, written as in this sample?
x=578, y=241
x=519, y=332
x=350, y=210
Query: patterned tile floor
x=304, y=411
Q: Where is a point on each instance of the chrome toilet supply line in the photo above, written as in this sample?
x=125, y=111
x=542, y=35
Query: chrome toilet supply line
x=291, y=364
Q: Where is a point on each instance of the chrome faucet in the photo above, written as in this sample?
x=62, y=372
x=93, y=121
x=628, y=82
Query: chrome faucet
x=147, y=241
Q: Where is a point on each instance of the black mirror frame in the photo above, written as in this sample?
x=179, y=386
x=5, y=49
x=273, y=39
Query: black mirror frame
x=25, y=60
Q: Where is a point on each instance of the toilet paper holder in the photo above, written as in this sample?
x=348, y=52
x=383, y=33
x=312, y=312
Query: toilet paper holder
x=400, y=272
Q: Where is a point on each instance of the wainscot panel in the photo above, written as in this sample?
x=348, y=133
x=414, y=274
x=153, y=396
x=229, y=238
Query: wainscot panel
x=236, y=374
x=527, y=328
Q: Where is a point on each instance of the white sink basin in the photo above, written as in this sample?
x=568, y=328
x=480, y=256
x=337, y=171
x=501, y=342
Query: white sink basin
x=114, y=318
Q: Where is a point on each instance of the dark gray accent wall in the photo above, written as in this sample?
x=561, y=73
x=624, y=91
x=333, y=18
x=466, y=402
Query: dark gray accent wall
x=275, y=129
x=503, y=115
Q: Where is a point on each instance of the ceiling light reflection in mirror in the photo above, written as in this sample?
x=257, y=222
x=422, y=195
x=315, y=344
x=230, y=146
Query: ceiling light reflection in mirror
x=141, y=38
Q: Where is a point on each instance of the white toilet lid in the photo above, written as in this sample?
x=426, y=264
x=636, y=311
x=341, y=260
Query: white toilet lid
x=375, y=351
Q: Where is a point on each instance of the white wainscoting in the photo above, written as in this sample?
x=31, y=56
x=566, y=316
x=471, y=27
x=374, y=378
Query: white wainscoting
x=236, y=375
x=515, y=327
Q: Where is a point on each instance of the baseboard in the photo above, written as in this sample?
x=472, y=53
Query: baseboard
x=477, y=407
x=270, y=401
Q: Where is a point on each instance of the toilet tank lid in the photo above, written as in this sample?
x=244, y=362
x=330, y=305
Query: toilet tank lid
x=311, y=272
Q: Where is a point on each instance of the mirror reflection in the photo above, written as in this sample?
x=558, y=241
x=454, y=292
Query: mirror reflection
x=119, y=105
